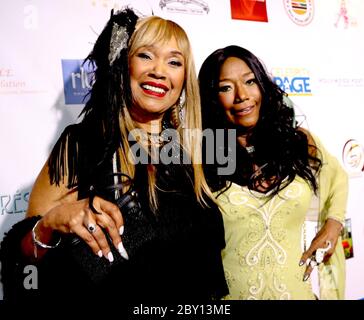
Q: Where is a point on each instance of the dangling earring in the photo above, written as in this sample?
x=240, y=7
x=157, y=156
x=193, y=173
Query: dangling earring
x=181, y=107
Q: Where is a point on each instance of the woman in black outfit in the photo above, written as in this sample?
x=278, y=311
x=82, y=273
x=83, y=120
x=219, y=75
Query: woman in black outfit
x=163, y=243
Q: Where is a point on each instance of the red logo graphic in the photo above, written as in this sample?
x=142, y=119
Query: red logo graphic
x=253, y=10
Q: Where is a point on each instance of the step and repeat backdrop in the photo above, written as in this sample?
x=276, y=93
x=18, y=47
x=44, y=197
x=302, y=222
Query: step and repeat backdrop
x=313, y=49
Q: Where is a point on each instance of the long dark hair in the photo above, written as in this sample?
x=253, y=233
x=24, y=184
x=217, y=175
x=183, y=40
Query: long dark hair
x=281, y=148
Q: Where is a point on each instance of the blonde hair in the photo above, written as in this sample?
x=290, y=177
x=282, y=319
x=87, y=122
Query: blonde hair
x=149, y=31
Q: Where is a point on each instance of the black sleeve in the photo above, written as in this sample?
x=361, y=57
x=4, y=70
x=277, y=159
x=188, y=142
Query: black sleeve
x=13, y=261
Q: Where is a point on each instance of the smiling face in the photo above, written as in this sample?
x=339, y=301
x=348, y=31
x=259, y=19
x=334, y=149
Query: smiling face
x=157, y=74
x=239, y=93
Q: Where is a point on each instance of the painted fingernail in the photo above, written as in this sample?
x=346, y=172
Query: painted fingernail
x=301, y=263
x=99, y=253
x=306, y=276
x=122, y=251
x=110, y=257
x=121, y=230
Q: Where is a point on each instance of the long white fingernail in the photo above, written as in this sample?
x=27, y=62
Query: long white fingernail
x=99, y=253
x=121, y=230
x=110, y=257
x=122, y=251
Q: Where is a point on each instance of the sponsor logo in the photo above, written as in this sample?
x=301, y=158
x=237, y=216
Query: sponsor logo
x=342, y=82
x=253, y=10
x=343, y=19
x=299, y=11
x=294, y=81
x=185, y=6
x=14, y=203
x=353, y=157
x=11, y=83
x=77, y=81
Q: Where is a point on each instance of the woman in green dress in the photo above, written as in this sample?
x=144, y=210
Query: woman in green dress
x=280, y=168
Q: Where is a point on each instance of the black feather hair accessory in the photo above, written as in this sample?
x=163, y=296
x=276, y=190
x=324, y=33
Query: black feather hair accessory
x=123, y=27
x=99, y=130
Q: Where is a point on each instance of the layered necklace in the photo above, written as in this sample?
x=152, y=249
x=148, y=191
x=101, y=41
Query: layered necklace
x=158, y=139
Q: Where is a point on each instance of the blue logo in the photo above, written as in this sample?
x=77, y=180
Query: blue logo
x=77, y=81
x=294, y=81
x=294, y=85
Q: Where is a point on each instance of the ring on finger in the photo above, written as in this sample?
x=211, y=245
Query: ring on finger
x=313, y=262
x=320, y=252
x=91, y=227
x=319, y=256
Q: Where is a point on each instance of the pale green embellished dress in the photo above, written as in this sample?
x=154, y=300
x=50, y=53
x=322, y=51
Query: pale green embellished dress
x=263, y=243
x=264, y=238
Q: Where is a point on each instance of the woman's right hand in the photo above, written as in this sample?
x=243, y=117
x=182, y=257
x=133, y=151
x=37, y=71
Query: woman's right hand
x=77, y=218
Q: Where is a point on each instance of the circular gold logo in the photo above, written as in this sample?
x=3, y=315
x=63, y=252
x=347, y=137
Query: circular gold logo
x=353, y=156
x=299, y=11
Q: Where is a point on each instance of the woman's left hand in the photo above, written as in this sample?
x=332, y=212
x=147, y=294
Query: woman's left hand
x=325, y=239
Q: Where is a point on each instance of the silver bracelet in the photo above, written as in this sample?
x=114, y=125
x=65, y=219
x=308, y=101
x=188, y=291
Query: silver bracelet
x=36, y=242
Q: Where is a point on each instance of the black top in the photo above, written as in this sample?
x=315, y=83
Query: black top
x=181, y=261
